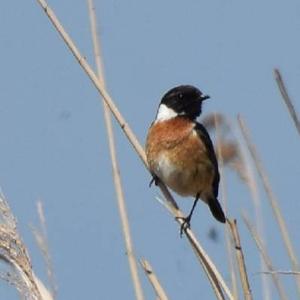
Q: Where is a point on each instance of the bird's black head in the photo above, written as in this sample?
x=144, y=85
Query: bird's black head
x=183, y=100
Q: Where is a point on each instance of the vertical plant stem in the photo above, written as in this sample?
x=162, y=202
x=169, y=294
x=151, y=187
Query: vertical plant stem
x=287, y=99
x=272, y=199
x=159, y=291
x=115, y=167
x=231, y=263
x=240, y=259
x=45, y=249
x=259, y=220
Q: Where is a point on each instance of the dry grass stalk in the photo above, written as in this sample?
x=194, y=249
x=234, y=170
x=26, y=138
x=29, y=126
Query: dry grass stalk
x=272, y=199
x=13, y=254
x=259, y=221
x=231, y=261
x=212, y=271
x=226, y=152
x=213, y=274
x=280, y=272
x=95, y=80
x=266, y=257
x=240, y=259
x=235, y=158
x=209, y=268
x=159, y=291
x=287, y=98
x=230, y=154
x=115, y=167
x=232, y=266
x=45, y=293
x=42, y=242
x=243, y=166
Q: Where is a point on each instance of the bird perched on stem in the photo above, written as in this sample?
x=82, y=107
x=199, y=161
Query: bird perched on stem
x=180, y=152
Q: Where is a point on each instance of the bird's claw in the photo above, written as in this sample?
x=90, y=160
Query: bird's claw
x=153, y=180
x=186, y=224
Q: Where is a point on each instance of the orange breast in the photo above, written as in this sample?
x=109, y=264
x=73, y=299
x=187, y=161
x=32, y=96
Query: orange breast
x=178, y=157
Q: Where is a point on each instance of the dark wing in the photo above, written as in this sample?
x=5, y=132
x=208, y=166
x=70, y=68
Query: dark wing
x=203, y=134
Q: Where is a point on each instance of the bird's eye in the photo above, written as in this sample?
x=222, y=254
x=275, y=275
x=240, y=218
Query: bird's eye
x=180, y=96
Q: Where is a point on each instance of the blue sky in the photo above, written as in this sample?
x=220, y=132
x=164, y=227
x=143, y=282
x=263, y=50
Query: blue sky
x=53, y=140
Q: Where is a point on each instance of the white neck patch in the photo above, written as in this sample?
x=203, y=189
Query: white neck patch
x=165, y=113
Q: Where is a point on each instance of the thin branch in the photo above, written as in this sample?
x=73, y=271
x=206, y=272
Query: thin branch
x=217, y=121
x=240, y=259
x=279, y=272
x=45, y=293
x=211, y=271
x=115, y=166
x=251, y=183
x=209, y=267
x=42, y=242
x=287, y=98
x=272, y=199
x=266, y=257
x=159, y=291
x=95, y=80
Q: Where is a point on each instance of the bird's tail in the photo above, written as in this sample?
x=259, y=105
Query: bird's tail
x=216, y=209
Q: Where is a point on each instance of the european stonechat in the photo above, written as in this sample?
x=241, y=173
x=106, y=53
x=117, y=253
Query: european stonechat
x=180, y=152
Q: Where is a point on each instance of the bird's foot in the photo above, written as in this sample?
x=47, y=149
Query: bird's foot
x=154, y=180
x=187, y=220
x=185, y=224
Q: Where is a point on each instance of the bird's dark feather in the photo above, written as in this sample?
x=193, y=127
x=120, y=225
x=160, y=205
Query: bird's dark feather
x=204, y=136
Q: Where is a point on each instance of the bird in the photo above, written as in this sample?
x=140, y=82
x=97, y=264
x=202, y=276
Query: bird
x=180, y=151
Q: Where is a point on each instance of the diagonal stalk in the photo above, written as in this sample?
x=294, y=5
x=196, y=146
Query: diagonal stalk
x=287, y=99
x=159, y=291
x=212, y=272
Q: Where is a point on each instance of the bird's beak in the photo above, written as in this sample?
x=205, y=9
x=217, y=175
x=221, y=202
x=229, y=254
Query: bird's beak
x=204, y=97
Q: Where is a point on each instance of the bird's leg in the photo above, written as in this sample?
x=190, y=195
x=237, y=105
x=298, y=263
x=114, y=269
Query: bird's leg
x=187, y=220
x=154, y=180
